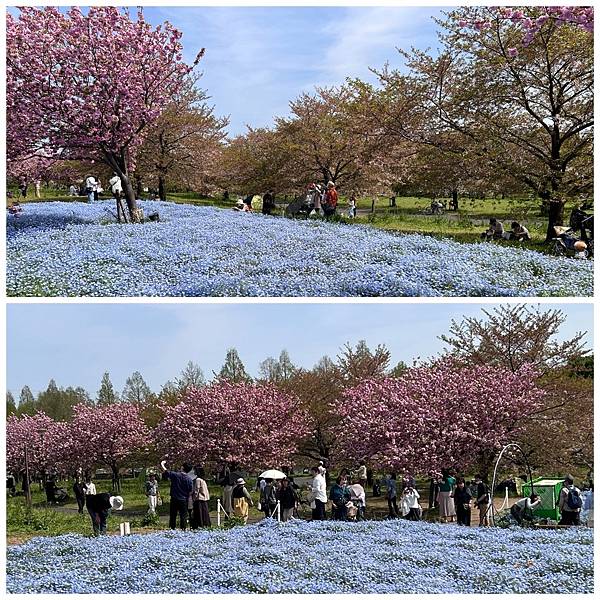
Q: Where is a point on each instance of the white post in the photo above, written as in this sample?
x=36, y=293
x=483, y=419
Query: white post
x=122, y=529
x=278, y=512
x=127, y=529
x=218, y=512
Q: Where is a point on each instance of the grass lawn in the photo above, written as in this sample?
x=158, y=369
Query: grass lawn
x=408, y=216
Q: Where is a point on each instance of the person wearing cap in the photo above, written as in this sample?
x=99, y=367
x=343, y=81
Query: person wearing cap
x=330, y=200
x=319, y=493
x=570, y=503
x=241, y=498
x=181, y=488
x=98, y=506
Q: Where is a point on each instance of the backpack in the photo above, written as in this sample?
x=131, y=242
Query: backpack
x=574, y=501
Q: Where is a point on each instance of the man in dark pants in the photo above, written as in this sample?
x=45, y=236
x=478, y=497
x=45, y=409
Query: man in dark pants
x=181, y=488
x=569, y=503
x=79, y=490
x=98, y=506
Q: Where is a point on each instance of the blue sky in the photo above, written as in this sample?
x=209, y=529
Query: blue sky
x=259, y=58
x=76, y=343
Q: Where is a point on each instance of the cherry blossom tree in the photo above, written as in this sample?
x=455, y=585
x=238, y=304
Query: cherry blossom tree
x=434, y=416
x=44, y=438
x=106, y=435
x=581, y=17
x=242, y=424
x=88, y=86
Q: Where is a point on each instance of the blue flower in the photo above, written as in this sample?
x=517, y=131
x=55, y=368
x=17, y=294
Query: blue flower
x=377, y=557
x=75, y=249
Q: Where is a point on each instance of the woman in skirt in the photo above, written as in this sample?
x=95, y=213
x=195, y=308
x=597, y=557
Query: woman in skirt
x=445, y=500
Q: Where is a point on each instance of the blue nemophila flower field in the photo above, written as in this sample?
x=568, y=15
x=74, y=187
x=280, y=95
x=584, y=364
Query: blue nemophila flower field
x=74, y=249
x=310, y=557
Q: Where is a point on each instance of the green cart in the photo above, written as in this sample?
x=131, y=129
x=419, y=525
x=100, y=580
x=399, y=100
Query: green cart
x=549, y=491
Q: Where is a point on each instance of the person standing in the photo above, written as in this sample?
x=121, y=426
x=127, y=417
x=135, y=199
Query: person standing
x=90, y=486
x=227, y=483
x=97, y=190
x=330, y=200
x=181, y=488
x=411, y=509
x=38, y=188
x=446, y=505
x=79, y=491
x=287, y=499
x=340, y=496
x=268, y=203
x=200, y=498
x=318, y=493
x=90, y=187
x=152, y=493
x=392, y=496
x=268, y=498
x=23, y=187
x=570, y=503
x=98, y=506
x=241, y=498
x=361, y=474
x=482, y=501
x=462, y=503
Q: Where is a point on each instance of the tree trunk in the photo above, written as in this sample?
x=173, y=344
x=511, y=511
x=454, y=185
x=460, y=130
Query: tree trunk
x=116, y=480
x=129, y=198
x=454, y=199
x=556, y=209
x=119, y=164
x=162, y=195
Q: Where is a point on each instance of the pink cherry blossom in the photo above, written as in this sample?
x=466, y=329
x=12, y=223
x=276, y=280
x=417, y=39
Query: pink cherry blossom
x=434, y=416
x=250, y=425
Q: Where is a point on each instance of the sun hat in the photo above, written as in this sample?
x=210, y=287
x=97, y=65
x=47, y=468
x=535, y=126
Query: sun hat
x=116, y=502
x=240, y=481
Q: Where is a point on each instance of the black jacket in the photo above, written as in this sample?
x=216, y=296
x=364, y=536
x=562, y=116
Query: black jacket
x=98, y=502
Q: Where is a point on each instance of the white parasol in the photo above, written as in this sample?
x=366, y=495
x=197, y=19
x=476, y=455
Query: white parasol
x=273, y=474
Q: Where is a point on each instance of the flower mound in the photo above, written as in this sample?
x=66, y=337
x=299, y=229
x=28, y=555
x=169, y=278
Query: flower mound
x=304, y=557
x=74, y=249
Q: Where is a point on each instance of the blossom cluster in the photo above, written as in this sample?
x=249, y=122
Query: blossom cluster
x=310, y=557
x=434, y=415
x=76, y=249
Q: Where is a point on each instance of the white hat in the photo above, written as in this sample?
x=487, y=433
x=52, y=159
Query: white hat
x=116, y=502
x=240, y=481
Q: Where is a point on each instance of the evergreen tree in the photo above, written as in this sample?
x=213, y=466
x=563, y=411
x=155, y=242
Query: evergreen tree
x=11, y=407
x=58, y=403
x=233, y=370
x=191, y=376
x=136, y=390
x=106, y=393
x=27, y=404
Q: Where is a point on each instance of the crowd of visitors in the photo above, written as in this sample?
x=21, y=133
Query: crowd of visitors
x=283, y=499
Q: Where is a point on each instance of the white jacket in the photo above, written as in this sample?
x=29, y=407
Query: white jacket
x=410, y=500
x=319, y=488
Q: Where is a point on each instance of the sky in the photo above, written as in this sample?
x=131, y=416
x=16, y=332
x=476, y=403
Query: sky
x=76, y=343
x=259, y=58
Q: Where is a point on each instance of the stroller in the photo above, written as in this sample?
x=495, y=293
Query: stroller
x=567, y=243
x=356, y=506
x=299, y=207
